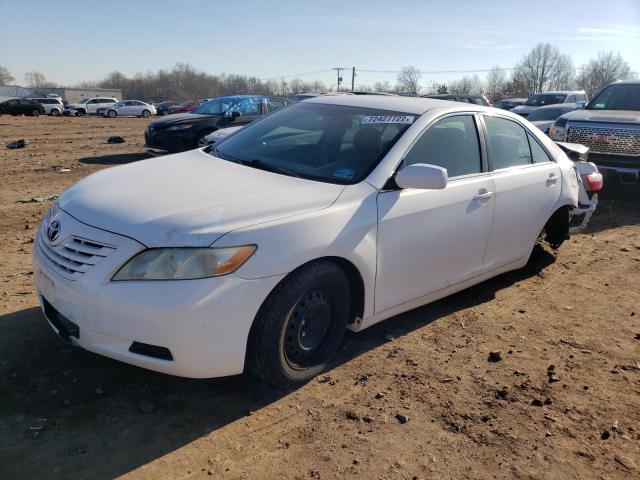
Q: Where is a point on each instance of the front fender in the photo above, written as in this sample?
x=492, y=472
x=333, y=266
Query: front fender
x=347, y=229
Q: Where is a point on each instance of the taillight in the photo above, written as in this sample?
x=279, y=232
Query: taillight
x=593, y=181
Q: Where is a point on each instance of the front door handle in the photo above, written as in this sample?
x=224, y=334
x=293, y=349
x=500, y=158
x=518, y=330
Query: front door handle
x=552, y=179
x=483, y=196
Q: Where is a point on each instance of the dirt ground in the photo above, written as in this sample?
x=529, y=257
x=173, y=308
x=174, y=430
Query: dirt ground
x=413, y=397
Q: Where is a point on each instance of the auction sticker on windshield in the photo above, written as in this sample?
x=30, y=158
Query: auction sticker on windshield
x=404, y=119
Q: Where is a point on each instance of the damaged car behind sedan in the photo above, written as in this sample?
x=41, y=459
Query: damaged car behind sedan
x=334, y=213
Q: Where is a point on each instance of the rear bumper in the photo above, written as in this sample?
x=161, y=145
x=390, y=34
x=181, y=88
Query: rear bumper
x=581, y=215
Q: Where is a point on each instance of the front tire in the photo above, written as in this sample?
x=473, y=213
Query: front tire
x=146, y=113
x=35, y=112
x=55, y=112
x=300, y=325
x=111, y=114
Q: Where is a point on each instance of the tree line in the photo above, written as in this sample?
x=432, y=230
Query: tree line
x=543, y=68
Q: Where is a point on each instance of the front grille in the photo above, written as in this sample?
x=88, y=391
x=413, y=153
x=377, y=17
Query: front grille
x=610, y=140
x=72, y=257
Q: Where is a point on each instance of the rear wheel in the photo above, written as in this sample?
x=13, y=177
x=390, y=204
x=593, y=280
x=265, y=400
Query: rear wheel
x=35, y=112
x=146, y=113
x=299, y=327
x=112, y=113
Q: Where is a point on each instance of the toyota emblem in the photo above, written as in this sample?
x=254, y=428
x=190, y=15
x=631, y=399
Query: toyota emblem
x=53, y=230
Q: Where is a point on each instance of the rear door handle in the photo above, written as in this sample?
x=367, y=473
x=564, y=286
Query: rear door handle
x=552, y=179
x=483, y=196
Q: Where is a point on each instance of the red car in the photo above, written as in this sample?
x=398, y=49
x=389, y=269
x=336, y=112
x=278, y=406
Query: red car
x=187, y=106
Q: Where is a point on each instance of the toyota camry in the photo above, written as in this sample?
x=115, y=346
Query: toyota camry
x=330, y=214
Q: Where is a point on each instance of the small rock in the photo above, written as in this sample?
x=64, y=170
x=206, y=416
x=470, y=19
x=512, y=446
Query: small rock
x=605, y=435
x=351, y=415
x=568, y=307
x=379, y=395
x=637, y=337
x=547, y=401
x=536, y=402
x=626, y=462
x=495, y=356
x=389, y=337
x=367, y=419
x=402, y=418
x=324, y=379
x=356, y=461
x=625, y=249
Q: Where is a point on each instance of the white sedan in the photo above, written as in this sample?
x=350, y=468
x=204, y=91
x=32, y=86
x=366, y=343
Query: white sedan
x=334, y=213
x=128, y=108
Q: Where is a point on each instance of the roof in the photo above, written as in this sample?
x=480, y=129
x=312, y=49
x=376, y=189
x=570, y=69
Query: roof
x=415, y=105
x=559, y=92
x=626, y=82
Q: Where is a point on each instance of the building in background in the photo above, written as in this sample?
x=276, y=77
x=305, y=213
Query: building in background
x=71, y=94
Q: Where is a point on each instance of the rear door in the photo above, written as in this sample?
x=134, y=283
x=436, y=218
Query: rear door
x=431, y=239
x=527, y=188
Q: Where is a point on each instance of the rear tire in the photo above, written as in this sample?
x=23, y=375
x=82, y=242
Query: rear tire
x=300, y=325
x=35, y=112
x=146, y=113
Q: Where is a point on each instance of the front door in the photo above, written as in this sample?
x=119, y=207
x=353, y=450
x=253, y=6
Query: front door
x=431, y=239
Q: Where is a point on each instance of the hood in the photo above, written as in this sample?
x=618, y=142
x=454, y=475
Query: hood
x=526, y=109
x=189, y=199
x=177, y=118
x=604, y=116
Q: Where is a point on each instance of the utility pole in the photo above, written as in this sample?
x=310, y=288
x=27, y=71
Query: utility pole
x=339, y=70
x=353, y=79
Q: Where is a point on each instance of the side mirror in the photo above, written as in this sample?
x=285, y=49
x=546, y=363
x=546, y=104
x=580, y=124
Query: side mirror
x=580, y=104
x=422, y=176
x=232, y=114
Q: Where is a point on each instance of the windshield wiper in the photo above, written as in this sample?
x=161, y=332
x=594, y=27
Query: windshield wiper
x=255, y=163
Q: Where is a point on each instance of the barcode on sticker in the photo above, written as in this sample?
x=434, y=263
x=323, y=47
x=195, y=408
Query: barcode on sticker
x=405, y=119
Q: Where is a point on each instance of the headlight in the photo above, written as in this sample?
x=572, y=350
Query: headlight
x=184, y=263
x=180, y=127
x=559, y=134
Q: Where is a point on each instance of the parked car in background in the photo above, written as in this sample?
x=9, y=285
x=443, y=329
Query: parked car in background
x=52, y=105
x=610, y=126
x=185, y=131
x=21, y=106
x=538, y=100
x=304, y=96
x=89, y=106
x=509, y=103
x=218, y=135
x=544, y=117
x=475, y=99
x=163, y=108
x=334, y=213
x=128, y=108
x=187, y=106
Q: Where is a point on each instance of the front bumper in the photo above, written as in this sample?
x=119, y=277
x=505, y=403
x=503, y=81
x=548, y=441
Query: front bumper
x=204, y=324
x=170, y=141
x=624, y=168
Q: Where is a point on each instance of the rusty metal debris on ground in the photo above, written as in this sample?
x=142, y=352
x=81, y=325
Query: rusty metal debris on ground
x=18, y=144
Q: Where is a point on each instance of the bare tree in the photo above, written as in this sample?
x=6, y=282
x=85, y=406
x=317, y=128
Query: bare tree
x=466, y=86
x=409, y=80
x=495, y=83
x=607, y=67
x=544, y=68
x=5, y=76
x=384, y=87
x=37, y=80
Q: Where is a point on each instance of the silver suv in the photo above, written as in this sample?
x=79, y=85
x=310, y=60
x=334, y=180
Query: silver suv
x=91, y=105
x=52, y=105
x=537, y=100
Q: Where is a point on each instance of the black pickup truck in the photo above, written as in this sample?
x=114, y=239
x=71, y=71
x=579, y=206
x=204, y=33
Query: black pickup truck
x=610, y=126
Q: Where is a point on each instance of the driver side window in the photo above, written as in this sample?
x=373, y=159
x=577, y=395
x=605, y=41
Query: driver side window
x=451, y=143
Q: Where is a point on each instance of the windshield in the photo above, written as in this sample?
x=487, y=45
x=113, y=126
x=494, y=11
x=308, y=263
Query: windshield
x=220, y=105
x=547, y=114
x=617, y=97
x=540, y=99
x=328, y=143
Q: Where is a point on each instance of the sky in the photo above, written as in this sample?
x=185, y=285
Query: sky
x=75, y=40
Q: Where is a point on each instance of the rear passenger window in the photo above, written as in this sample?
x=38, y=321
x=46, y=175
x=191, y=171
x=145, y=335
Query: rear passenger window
x=507, y=142
x=451, y=143
x=538, y=154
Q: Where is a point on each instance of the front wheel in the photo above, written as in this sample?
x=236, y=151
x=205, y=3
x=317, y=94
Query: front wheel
x=55, y=112
x=35, y=112
x=146, y=113
x=300, y=325
x=201, y=141
x=111, y=114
